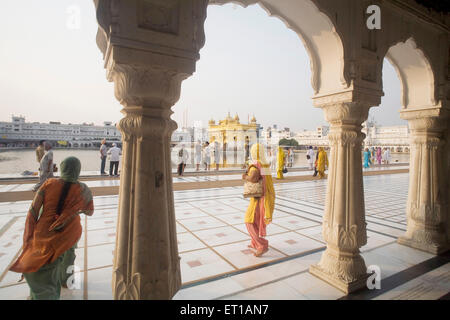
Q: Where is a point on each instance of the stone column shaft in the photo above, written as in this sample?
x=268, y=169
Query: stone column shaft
x=427, y=206
x=344, y=226
x=146, y=261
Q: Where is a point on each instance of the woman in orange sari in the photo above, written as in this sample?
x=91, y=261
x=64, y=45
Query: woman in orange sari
x=52, y=230
x=260, y=210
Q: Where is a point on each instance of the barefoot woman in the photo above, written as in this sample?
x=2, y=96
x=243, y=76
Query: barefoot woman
x=52, y=230
x=259, y=212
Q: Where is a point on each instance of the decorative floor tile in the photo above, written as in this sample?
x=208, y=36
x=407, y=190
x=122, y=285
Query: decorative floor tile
x=188, y=242
x=100, y=256
x=210, y=264
x=295, y=223
x=181, y=214
x=201, y=223
x=219, y=236
x=293, y=243
x=243, y=257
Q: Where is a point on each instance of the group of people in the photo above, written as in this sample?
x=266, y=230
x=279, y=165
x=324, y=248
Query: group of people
x=203, y=154
x=114, y=152
x=317, y=161
x=380, y=156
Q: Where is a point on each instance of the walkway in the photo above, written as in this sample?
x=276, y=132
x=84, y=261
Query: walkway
x=215, y=260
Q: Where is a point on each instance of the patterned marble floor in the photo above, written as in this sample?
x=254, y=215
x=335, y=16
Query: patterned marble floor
x=212, y=239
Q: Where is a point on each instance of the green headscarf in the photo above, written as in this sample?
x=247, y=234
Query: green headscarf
x=70, y=169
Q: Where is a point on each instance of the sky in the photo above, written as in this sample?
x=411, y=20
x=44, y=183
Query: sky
x=251, y=64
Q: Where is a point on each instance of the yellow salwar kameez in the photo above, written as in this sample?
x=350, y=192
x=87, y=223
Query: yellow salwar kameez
x=322, y=161
x=260, y=210
x=280, y=163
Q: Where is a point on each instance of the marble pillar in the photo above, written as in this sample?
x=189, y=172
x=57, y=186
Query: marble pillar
x=427, y=206
x=149, y=47
x=344, y=225
x=146, y=261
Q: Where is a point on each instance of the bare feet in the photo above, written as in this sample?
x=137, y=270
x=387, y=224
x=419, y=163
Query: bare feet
x=259, y=253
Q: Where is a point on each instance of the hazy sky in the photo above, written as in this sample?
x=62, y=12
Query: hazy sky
x=250, y=64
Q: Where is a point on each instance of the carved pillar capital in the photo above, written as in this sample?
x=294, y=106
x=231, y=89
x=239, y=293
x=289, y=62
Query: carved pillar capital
x=150, y=87
x=142, y=124
x=341, y=113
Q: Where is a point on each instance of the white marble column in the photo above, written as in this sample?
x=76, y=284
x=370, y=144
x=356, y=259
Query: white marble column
x=149, y=47
x=344, y=225
x=146, y=262
x=427, y=206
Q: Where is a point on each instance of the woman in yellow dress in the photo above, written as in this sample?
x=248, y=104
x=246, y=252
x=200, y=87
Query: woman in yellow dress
x=322, y=161
x=280, y=163
x=260, y=210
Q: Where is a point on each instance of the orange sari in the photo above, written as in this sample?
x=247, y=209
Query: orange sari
x=47, y=235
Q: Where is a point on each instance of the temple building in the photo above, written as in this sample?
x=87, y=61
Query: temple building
x=234, y=138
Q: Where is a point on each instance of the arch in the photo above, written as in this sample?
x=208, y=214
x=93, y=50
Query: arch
x=415, y=73
x=318, y=35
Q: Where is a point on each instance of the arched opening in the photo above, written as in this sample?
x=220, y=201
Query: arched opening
x=426, y=133
x=318, y=34
x=415, y=73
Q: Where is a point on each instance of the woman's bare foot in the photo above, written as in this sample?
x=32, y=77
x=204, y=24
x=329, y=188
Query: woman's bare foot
x=260, y=252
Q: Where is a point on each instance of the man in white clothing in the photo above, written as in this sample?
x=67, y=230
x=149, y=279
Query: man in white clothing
x=198, y=154
x=46, y=166
x=216, y=155
x=114, y=153
x=310, y=157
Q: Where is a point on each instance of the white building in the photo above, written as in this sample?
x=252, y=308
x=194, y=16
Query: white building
x=394, y=137
x=318, y=137
x=272, y=135
x=19, y=133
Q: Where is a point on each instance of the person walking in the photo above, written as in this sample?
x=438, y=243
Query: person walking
x=291, y=157
x=280, y=163
x=207, y=156
x=379, y=155
x=387, y=156
x=52, y=230
x=367, y=160
x=260, y=210
x=310, y=157
x=198, y=154
x=182, y=160
x=103, y=153
x=322, y=162
x=372, y=155
x=40, y=151
x=114, y=159
x=46, y=166
x=217, y=155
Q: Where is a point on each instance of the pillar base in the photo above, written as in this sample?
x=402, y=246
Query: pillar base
x=424, y=246
x=344, y=286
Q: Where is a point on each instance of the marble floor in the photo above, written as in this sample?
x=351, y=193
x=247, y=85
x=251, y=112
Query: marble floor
x=15, y=187
x=212, y=243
